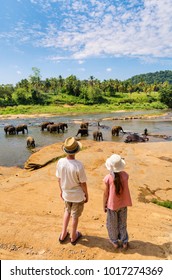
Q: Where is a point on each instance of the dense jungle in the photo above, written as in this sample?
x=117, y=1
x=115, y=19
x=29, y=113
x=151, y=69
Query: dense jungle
x=35, y=95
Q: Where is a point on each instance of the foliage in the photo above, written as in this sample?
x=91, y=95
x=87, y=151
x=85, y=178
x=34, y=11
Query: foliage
x=6, y=95
x=21, y=96
x=166, y=96
x=166, y=203
x=152, y=78
x=57, y=91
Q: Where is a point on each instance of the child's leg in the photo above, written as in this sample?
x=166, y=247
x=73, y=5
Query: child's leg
x=74, y=228
x=76, y=211
x=123, y=225
x=66, y=219
x=112, y=225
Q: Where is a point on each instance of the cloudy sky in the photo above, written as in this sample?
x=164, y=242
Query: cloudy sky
x=102, y=38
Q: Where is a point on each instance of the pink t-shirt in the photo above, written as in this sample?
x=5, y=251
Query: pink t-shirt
x=118, y=201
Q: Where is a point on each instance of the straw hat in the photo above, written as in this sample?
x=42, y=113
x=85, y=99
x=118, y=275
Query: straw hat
x=71, y=146
x=115, y=163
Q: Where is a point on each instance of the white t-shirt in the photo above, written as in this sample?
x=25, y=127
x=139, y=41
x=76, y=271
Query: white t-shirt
x=72, y=173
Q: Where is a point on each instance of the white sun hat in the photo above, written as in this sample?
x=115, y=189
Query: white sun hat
x=115, y=163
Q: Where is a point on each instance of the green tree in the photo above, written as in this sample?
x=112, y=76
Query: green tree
x=24, y=83
x=94, y=94
x=35, y=79
x=21, y=96
x=166, y=96
x=72, y=85
x=37, y=97
x=6, y=92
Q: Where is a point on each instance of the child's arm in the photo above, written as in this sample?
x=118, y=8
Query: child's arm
x=105, y=197
x=84, y=188
x=59, y=182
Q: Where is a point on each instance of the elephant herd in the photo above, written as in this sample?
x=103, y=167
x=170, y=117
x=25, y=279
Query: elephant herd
x=82, y=131
x=54, y=127
x=115, y=130
x=11, y=129
x=98, y=135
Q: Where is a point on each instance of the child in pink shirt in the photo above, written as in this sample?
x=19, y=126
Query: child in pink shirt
x=116, y=198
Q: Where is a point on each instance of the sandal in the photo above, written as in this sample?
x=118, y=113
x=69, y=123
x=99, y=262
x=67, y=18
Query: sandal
x=79, y=235
x=125, y=246
x=115, y=245
x=63, y=240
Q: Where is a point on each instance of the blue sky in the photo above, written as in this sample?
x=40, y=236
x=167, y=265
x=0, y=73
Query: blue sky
x=110, y=39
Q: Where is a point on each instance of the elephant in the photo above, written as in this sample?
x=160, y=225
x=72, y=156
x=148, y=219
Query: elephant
x=135, y=137
x=82, y=131
x=44, y=125
x=53, y=127
x=10, y=129
x=116, y=129
x=62, y=126
x=97, y=135
x=21, y=127
x=30, y=142
x=84, y=125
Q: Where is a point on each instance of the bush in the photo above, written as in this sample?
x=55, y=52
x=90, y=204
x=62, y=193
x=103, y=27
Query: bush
x=166, y=96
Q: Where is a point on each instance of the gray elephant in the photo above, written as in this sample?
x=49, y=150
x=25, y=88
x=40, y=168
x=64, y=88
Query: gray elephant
x=82, y=131
x=84, y=125
x=97, y=135
x=22, y=128
x=116, y=129
x=45, y=124
x=62, y=126
x=10, y=129
x=30, y=142
x=135, y=137
x=53, y=127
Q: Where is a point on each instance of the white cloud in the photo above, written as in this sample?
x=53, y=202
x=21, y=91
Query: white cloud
x=94, y=28
x=146, y=30
x=108, y=69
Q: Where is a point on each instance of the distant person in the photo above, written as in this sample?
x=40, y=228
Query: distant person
x=116, y=198
x=73, y=188
x=145, y=132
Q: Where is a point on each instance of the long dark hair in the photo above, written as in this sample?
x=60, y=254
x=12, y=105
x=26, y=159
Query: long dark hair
x=118, y=184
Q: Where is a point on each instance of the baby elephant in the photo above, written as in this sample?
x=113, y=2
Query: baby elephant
x=97, y=135
x=30, y=142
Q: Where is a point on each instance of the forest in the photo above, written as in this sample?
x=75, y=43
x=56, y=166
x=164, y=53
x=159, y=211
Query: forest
x=151, y=90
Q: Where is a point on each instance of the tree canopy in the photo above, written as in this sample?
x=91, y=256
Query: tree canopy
x=71, y=90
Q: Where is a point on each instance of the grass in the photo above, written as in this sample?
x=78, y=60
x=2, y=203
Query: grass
x=166, y=203
x=62, y=109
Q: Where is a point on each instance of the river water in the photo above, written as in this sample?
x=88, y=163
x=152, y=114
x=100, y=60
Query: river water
x=13, y=150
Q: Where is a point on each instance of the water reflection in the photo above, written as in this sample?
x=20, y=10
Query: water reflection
x=13, y=150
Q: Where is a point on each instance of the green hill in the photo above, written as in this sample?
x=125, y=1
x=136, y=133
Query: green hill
x=151, y=78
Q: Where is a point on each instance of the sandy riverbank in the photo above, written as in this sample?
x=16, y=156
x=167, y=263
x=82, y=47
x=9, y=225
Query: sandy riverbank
x=25, y=116
x=31, y=209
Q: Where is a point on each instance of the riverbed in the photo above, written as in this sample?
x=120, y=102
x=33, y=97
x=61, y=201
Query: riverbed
x=13, y=150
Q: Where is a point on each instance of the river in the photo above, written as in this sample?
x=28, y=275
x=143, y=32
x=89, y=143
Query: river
x=13, y=150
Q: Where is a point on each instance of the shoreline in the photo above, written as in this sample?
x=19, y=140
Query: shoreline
x=49, y=115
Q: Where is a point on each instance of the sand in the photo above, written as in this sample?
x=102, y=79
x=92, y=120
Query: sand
x=31, y=209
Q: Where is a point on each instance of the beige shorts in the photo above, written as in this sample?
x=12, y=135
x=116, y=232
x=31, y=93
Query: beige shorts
x=74, y=208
